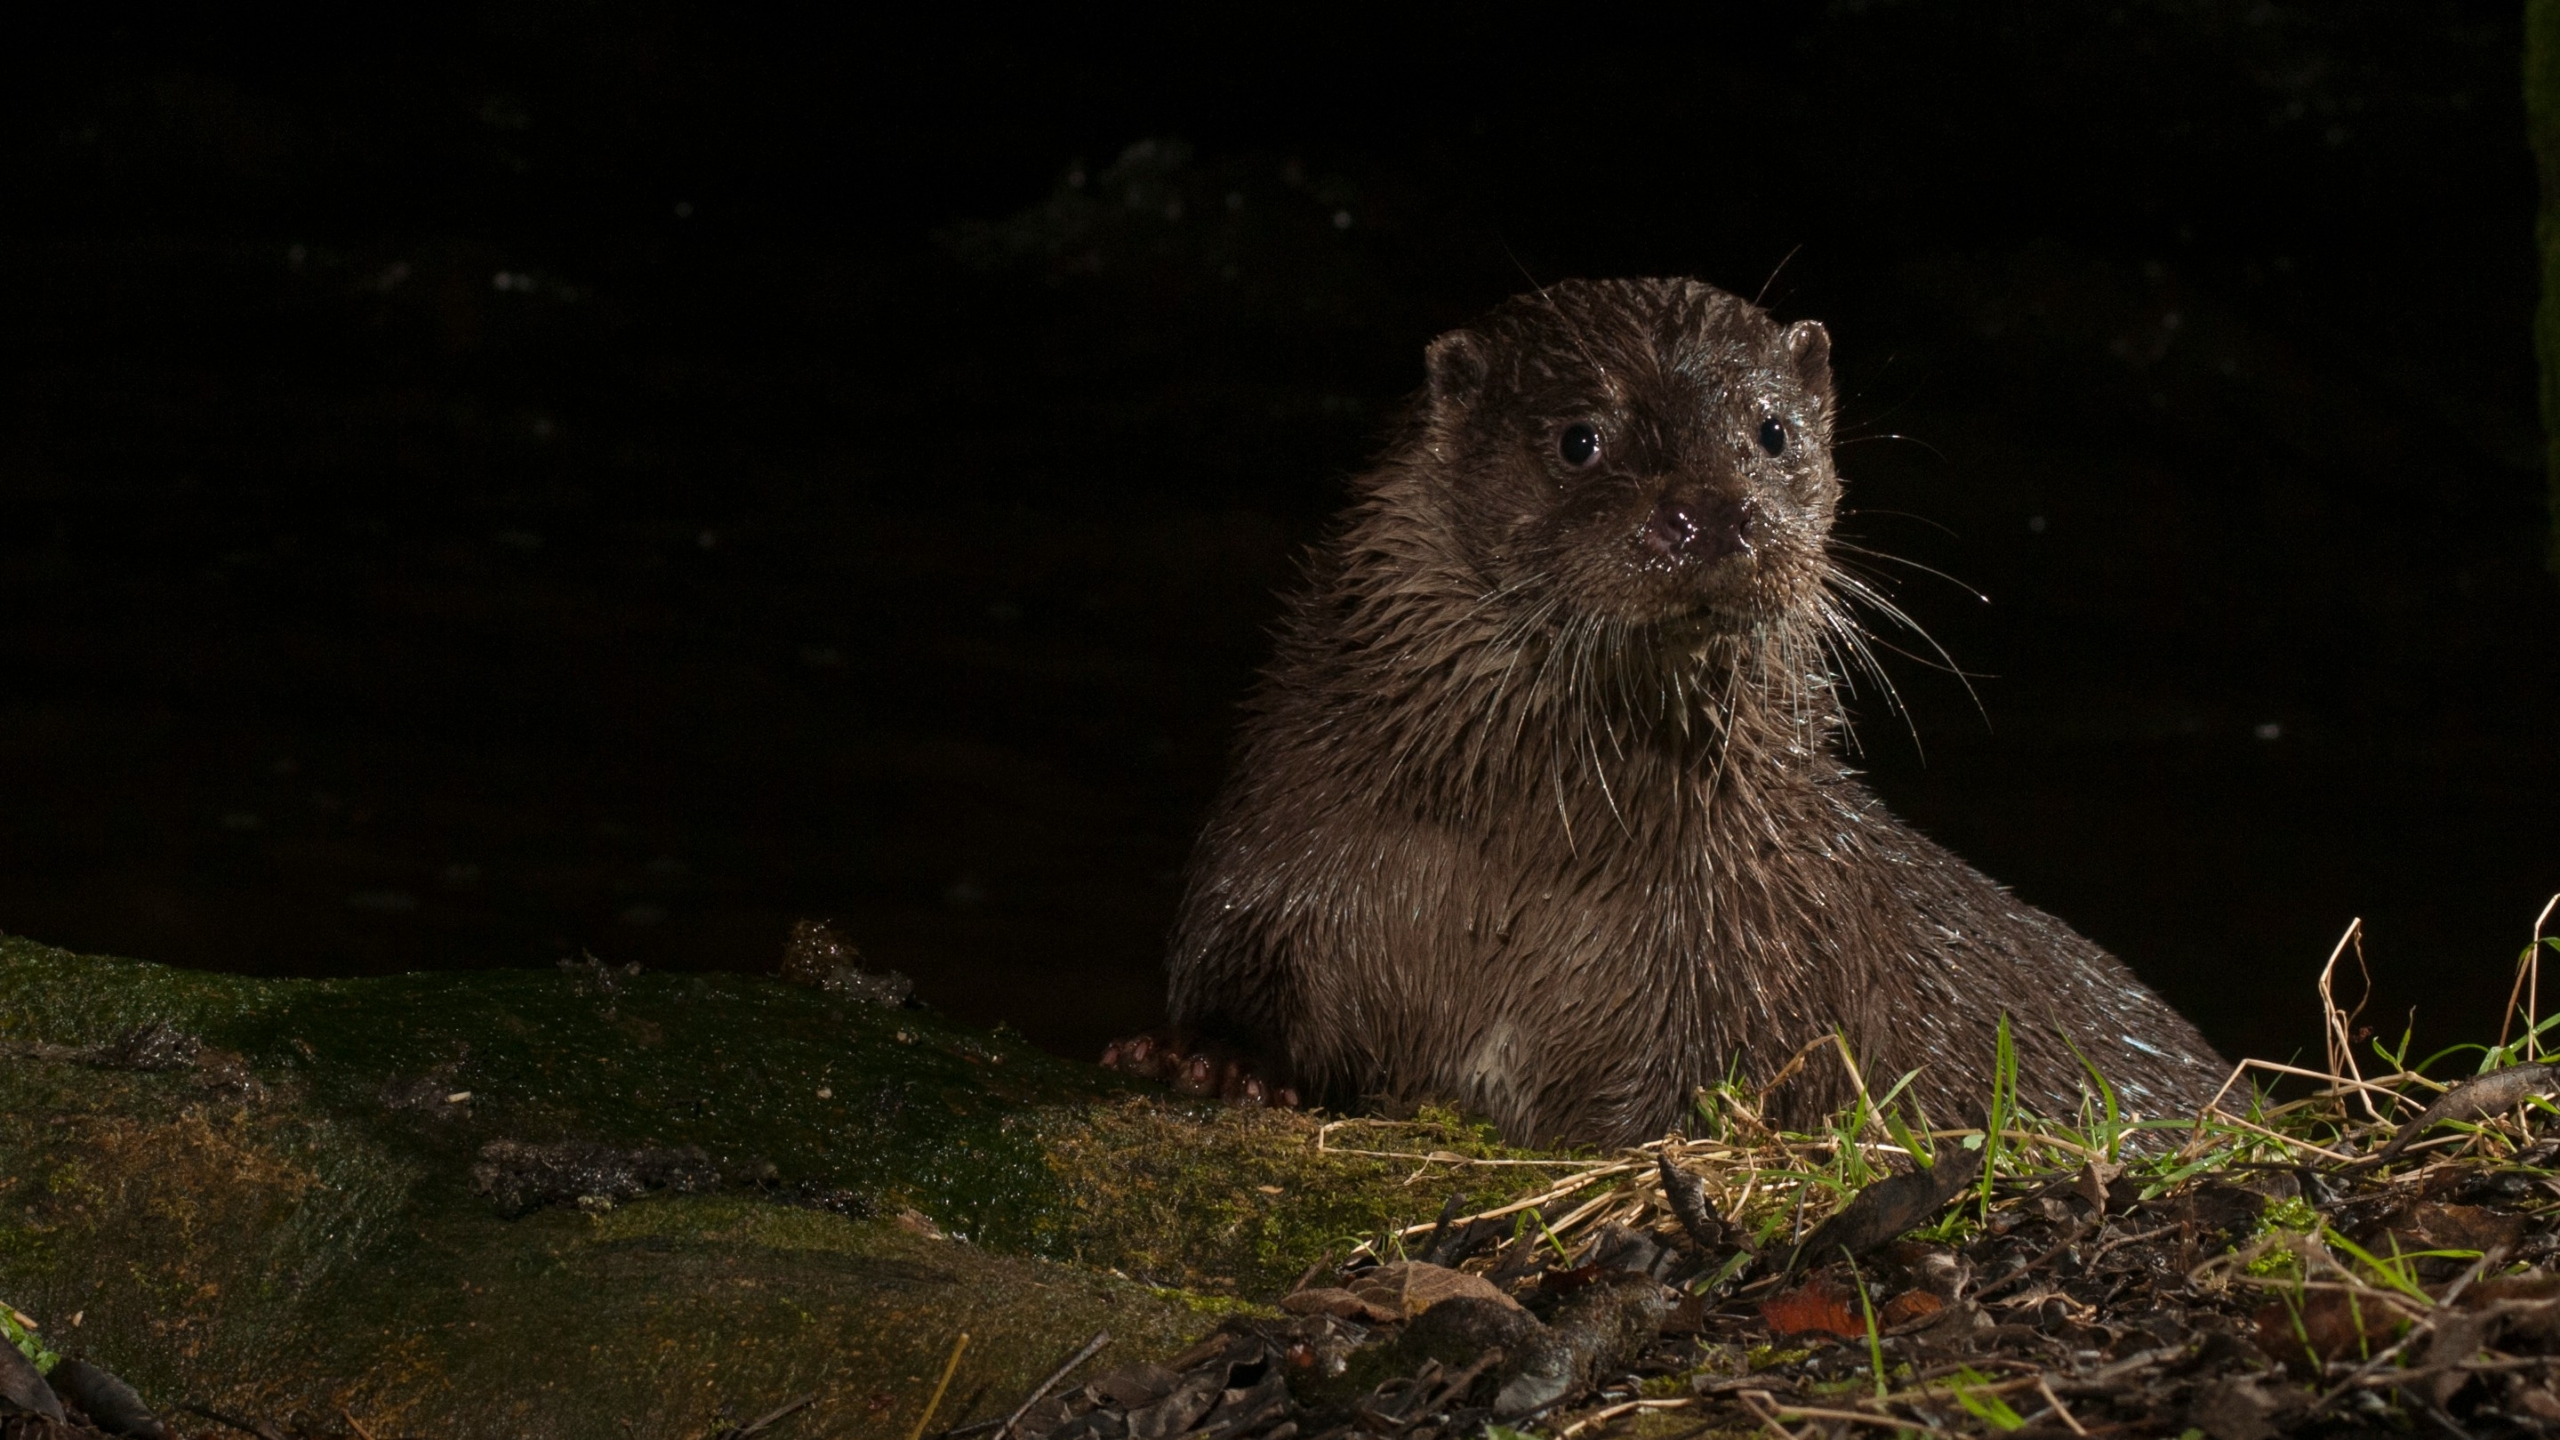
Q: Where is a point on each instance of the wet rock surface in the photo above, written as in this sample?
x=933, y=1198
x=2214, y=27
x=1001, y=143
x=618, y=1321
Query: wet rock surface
x=682, y=1200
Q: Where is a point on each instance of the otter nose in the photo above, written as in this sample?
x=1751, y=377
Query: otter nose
x=1700, y=528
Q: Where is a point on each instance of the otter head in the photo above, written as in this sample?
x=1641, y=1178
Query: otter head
x=1648, y=456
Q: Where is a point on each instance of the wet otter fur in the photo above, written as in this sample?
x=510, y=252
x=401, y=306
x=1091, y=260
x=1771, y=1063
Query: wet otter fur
x=1538, y=807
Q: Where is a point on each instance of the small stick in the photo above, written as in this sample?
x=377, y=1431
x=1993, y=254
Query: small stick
x=1561, y=1189
x=1100, y=1339
x=1794, y=1063
x=2340, y=1083
x=1866, y=1102
x=2101, y=1252
x=2533, y=987
x=948, y=1368
x=2078, y=1234
x=2327, y=1154
x=766, y=1421
x=1458, y=1386
x=2046, y=1388
x=2424, y=1327
x=1764, y=1408
x=2528, y=967
x=1579, y=1214
x=1602, y=1417
x=2342, y=1045
x=1855, y=1417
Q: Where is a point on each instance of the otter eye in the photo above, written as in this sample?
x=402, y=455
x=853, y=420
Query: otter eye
x=1773, y=436
x=1579, y=445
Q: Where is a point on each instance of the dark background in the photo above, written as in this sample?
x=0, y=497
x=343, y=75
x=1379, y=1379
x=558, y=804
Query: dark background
x=553, y=476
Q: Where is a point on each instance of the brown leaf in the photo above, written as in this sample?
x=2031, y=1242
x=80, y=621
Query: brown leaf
x=1334, y=1300
x=2457, y=1342
x=1137, y=1385
x=2329, y=1324
x=1188, y=1401
x=1886, y=1209
x=1815, y=1307
x=2095, y=1177
x=2244, y=1407
x=1565, y=1282
x=1690, y=1204
x=1394, y=1292
x=2529, y=1303
x=1909, y=1306
x=1410, y=1287
x=2450, y=1227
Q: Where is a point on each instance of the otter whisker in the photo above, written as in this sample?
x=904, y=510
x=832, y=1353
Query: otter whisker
x=1892, y=559
x=1842, y=630
x=1866, y=594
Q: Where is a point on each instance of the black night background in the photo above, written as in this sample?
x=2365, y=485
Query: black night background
x=488, y=483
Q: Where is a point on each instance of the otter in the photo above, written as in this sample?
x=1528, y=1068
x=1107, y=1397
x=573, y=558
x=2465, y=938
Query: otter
x=1539, y=807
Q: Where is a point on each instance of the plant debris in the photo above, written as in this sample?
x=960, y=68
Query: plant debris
x=156, y=1047
x=520, y=1178
x=2316, y=1252
x=819, y=956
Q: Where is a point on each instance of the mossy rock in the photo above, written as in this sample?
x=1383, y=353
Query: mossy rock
x=289, y=1227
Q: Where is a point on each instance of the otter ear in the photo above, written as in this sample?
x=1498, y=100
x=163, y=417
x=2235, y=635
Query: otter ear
x=1809, y=350
x=1456, y=365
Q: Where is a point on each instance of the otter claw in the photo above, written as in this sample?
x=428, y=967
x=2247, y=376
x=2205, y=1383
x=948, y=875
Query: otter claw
x=1204, y=1071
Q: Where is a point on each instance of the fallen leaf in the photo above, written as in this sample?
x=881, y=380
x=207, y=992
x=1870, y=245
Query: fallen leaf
x=2095, y=1177
x=1410, y=1287
x=2331, y=1325
x=1885, y=1210
x=1333, y=1300
x=2448, y=1227
x=2456, y=1344
x=2244, y=1407
x=1817, y=1306
x=1394, y=1292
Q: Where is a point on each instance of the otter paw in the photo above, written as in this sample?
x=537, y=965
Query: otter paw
x=1197, y=1068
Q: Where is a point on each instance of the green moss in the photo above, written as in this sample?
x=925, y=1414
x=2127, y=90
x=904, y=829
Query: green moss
x=1663, y=1387
x=1214, y=1307
x=915, y=1111
x=2290, y=1216
x=294, y=1231
x=1229, y=1200
x=2293, y=1215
